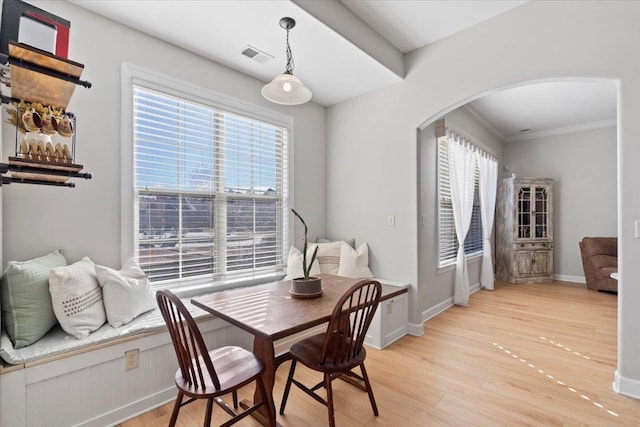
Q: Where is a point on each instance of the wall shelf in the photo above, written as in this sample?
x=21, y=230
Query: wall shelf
x=38, y=76
x=35, y=77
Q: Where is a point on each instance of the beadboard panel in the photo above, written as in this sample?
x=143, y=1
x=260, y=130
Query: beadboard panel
x=93, y=388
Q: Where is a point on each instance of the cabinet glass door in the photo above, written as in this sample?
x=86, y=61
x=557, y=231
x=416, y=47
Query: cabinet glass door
x=541, y=212
x=532, y=212
x=524, y=213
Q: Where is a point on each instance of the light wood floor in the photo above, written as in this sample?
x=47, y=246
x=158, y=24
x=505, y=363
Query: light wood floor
x=539, y=354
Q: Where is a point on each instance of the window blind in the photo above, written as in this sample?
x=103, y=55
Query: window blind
x=210, y=189
x=447, y=240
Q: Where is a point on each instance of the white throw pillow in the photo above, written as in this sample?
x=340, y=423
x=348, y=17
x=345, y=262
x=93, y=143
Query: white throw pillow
x=294, y=263
x=354, y=263
x=77, y=298
x=126, y=293
x=329, y=257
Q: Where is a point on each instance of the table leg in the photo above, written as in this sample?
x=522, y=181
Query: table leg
x=263, y=349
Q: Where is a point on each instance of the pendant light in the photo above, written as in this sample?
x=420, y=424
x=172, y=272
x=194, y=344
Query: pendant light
x=286, y=89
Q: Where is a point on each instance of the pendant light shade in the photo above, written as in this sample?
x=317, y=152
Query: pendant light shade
x=285, y=88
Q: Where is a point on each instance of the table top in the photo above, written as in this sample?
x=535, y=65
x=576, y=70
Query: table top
x=269, y=310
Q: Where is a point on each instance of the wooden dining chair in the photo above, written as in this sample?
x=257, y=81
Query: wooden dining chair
x=339, y=350
x=204, y=374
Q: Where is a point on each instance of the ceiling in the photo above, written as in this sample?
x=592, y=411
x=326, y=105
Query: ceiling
x=535, y=110
x=410, y=25
x=343, y=49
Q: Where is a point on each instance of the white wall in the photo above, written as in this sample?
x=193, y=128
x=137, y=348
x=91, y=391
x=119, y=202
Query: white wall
x=583, y=167
x=86, y=220
x=374, y=136
x=436, y=285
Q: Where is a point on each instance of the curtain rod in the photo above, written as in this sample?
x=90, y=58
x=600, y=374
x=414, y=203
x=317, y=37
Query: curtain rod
x=441, y=131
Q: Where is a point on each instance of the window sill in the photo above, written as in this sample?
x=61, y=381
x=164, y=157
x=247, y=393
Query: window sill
x=473, y=258
x=190, y=290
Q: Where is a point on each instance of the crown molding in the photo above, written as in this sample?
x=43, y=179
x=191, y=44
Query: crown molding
x=561, y=131
x=485, y=124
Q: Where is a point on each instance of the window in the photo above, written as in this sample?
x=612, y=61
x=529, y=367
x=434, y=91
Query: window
x=447, y=240
x=209, y=190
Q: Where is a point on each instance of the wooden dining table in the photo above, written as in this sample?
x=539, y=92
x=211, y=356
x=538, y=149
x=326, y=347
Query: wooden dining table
x=269, y=312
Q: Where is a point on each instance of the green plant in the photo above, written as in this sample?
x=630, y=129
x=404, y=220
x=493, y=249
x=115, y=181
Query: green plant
x=305, y=268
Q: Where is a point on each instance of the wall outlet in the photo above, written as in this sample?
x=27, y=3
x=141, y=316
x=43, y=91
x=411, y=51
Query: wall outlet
x=131, y=359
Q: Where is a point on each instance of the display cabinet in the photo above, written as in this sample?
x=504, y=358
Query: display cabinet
x=524, y=230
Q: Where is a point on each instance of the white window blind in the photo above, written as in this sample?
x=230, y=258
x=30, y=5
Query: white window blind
x=447, y=240
x=210, y=189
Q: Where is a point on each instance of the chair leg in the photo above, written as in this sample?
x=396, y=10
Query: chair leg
x=327, y=385
x=287, y=387
x=234, y=393
x=176, y=409
x=207, y=417
x=365, y=377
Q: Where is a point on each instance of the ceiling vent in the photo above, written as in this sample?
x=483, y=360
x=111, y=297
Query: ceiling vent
x=256, y=54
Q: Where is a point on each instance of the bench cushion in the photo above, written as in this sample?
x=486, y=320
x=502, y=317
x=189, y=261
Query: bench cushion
x=57, y=342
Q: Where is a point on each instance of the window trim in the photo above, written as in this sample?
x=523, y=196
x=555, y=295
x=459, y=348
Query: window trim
x=135, y=75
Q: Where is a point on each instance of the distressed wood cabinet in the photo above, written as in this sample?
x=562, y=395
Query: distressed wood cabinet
x=524, y=230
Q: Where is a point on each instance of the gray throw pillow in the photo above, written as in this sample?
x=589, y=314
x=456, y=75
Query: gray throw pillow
x=350, y=242
x=25, y=298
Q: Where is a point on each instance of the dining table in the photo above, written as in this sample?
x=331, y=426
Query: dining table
x=270, y=312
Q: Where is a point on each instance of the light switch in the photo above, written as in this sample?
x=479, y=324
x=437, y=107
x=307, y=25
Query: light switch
x=637, y=224
x=391, y=220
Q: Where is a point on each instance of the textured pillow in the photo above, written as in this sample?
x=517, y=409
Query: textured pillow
x=126, y=293
x=329, y=257
x=294, y=263
x=354, y=263
x=351, y=242
x=26, y=302
x=77, y=298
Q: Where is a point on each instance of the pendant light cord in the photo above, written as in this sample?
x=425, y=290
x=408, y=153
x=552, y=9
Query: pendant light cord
x=290, y=64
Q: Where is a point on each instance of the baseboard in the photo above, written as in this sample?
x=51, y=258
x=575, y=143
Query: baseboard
x=626, y=386
x=415, y=329
x=440, y=307
x=567, y=278
x=436, y=309
x=132, y=409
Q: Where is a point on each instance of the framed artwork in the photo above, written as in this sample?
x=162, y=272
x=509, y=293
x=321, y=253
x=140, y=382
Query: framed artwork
x=24, y=23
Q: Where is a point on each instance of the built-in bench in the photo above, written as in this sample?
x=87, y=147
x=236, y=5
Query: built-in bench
x=63, y=381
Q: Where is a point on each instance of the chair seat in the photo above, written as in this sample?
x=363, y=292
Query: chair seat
x=309, y=353
x=235, y=367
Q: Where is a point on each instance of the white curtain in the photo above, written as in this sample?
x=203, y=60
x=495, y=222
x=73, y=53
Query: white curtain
x=462, y=168
x=488, y=171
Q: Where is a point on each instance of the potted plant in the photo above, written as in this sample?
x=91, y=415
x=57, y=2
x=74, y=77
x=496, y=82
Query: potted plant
x=306, y=286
